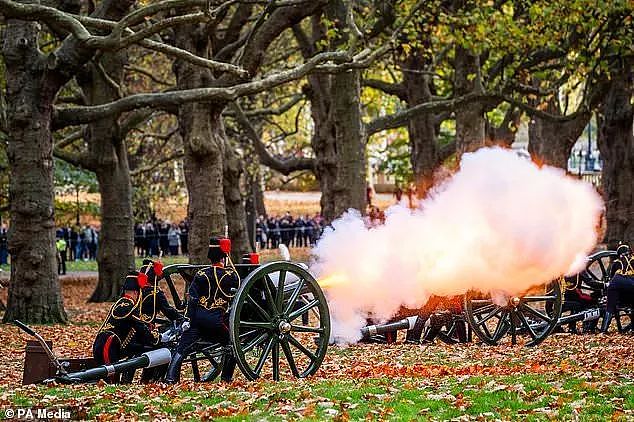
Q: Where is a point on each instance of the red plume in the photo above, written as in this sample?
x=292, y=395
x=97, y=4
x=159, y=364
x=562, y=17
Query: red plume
x=142, y=280
x=158, y=268
x=225, y=245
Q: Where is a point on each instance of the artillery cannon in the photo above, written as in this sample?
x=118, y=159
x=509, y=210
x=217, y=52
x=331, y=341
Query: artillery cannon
x=530, y=318
x=277, y=306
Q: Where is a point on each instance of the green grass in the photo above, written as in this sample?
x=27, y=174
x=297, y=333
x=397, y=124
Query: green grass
x=73, y=266
x=530, y=397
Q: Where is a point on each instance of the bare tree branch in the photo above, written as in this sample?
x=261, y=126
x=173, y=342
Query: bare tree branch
x=175, y=155
x=75, y=136
x=284, y=166
x=271, y=111
x=84, y=114
x=396, y=89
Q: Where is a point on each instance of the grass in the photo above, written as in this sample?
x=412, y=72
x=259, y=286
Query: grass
x=530, y=397
x=298, y=254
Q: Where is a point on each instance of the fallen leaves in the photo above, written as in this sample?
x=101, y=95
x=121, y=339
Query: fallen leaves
x=355, y=382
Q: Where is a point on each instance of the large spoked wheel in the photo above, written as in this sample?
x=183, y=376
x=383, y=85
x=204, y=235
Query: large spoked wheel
x=279, y=323
x=528, y=319
x=599, y=264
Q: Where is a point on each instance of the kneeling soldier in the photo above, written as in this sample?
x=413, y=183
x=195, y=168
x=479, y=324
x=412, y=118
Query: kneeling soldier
x=123, y=333
x=153, y=301
x=209, y=296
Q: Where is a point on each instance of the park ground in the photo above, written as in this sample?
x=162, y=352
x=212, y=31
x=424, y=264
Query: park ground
x=567, y=377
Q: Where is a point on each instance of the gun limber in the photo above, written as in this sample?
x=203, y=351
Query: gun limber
x=146, y=360
x=404, y=324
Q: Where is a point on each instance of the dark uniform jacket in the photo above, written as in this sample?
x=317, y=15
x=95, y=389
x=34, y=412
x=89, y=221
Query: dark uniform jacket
x=623, y=265
x=153, y=302
x=124, y=322
x=211, y=292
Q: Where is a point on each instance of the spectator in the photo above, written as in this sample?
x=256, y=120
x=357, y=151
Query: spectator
x=139, y=239
x=173, y=239
x=92, y=240
x=184, y=233
x=4, y=249
x=60, y=245
x=151, y=235
x=163, y=230
x=74, y=243
x=309, y=226
x=260, y=232
x=300, y=225
x=274, y=231
x=83, y=245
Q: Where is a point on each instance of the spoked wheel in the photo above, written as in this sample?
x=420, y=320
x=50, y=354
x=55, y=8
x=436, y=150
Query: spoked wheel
x=529, y=318
x=455, y=331
x=599, y=264
x=279, y=323
x=206, y=364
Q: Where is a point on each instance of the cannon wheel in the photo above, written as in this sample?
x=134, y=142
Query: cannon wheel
x=533, y=316
x=279, y=306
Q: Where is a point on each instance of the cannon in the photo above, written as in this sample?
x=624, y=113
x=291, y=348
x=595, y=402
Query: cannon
x=532, y=317
x=279, y=326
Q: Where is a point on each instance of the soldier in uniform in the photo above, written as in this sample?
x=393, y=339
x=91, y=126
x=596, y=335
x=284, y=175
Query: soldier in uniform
x=621, y=286
x=124, y=333
x=153, y=301
x=209, y=297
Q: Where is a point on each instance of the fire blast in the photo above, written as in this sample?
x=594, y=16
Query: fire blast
x=501, y=224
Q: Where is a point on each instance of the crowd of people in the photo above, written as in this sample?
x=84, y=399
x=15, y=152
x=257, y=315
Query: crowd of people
x=156, y=237
x=301, y=231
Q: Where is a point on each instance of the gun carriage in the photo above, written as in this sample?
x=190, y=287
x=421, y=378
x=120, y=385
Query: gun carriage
x=279, y=327
x=531, y=317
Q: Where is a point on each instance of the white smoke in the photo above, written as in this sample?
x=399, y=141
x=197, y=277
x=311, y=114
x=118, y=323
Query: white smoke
x=501, y=223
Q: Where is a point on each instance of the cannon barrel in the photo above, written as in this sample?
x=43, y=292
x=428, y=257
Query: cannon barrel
x=404, y=324
x=146, y=360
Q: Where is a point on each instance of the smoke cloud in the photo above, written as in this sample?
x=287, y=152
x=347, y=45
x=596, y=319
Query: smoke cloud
x=500, y=224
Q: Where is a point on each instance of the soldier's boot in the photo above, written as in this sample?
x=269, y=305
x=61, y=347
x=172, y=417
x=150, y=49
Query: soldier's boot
x=127, y=377
x=607, y=319
x=174, y=369
x=228, y=366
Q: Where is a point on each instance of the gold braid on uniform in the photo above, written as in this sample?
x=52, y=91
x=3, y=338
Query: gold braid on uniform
x=629, y=267
x=154, y=290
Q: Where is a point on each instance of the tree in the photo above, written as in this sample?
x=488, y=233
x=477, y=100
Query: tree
x=616, y=143
x=33, y=81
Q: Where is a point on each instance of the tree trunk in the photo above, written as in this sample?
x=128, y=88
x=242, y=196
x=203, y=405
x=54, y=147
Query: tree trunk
x=323, y=141
x=616, y=144
x=115, y=256
x=204, y=142
x=108, y=158
x=350, y=187
x=470, y=121
x=34, y=290
x=551, y=141
x=423, y=134
x=234, y=205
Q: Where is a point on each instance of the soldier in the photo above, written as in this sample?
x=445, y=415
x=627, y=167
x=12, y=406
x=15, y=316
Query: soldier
x=621, y=286
x=124, y=333
x=153, y=301
x=210, y=294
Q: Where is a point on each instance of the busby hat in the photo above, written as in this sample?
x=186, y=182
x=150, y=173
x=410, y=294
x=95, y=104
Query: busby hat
x=219, y=248
x=153, y=270
x=131, y=281
x=623, y=249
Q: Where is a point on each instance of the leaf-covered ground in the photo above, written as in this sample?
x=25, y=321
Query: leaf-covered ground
x=567, y=377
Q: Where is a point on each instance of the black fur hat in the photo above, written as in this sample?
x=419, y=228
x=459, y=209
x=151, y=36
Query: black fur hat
x=131, y=281
x=219, y=247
